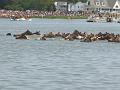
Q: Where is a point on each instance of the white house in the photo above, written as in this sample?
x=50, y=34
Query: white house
x=104, y=5
x=61, y=6
x=79, y=6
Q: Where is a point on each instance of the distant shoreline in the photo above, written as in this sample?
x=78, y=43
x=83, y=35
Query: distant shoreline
x=44, y=14
x=57, y=17
x=61, y=17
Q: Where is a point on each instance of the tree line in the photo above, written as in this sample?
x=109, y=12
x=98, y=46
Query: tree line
x=46, y=5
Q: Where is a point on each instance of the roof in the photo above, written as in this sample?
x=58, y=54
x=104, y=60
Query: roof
x=107, y=3
x=111, y=3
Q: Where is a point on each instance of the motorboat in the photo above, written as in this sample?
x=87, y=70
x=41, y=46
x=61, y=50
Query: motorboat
x=20, y=19
x=91, y=19
x=15, y=18
x=33, y=37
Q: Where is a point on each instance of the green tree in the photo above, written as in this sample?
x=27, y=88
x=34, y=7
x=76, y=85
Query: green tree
x=32, y=4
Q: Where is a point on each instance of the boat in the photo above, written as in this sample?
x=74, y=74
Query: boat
x=101, y=19
x=16, y=18
x=93, y=18
x=20, y=19
x=33, y=37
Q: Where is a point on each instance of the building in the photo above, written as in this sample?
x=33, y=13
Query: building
x=64, y=6
x=61, y=6
x=104, y=5
x=79, y=6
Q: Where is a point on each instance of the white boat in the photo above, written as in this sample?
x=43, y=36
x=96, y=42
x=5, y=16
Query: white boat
x=33, y=37
x=20, y=19
x=90, y=19
x=93, y=18
x=15, y=18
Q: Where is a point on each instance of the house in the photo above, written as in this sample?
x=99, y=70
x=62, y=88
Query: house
x=61, y=6
x=79, y=6
x=104, y=5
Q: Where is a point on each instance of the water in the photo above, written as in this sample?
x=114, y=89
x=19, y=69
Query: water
x=58, y=65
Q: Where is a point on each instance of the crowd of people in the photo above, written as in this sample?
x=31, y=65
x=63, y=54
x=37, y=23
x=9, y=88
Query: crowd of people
x=35, y=13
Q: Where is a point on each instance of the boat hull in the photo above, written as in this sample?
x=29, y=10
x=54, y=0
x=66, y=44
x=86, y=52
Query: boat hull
x=20, y=19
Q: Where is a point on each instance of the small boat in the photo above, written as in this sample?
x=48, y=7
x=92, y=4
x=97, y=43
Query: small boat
x=33, y=37
x=15, y=18
x=93, y=18
x=20, y=19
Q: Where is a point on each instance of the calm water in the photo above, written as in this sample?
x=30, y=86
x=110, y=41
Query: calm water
x=58, y=65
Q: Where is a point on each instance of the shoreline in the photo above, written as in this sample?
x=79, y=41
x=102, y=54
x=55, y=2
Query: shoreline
x=44, y=14
x=60, y=17
x=55, y=17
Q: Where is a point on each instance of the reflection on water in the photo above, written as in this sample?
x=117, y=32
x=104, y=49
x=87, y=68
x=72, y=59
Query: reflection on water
x=58, y=65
